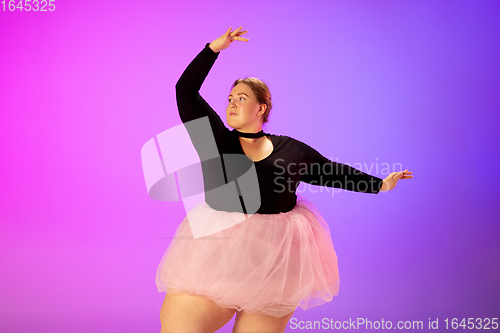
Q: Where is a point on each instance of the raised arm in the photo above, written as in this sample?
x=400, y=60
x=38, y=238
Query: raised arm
x=189, y=101
x=321, y=171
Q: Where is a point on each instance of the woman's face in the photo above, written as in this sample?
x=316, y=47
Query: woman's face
x=243, y=109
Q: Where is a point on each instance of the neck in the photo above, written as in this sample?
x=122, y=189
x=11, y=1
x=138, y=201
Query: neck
x=250, y=129
x=249, y=136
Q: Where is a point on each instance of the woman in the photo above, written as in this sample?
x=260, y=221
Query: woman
x=275, y=256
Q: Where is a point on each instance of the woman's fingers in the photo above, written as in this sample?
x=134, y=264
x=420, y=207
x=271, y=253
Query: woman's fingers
x=236, y=31
x=406, y=174
x=235, y=35
x=241, y=38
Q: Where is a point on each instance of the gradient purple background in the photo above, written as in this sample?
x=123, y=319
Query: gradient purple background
x=411, y=83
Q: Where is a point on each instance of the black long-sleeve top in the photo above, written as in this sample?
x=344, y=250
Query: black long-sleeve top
x=279, y=174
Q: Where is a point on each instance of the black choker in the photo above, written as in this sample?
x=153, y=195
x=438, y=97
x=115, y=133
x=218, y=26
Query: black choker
x=249, y=135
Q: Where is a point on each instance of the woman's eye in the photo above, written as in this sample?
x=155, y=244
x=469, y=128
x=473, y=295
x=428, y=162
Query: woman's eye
x=242, y=98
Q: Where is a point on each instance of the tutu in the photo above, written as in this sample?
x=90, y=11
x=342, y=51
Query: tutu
x=268, y=264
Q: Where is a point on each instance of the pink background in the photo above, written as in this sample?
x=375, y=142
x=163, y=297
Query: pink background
x=366, y=83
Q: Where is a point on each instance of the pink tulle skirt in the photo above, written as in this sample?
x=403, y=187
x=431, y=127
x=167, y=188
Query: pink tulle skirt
x=268, y=264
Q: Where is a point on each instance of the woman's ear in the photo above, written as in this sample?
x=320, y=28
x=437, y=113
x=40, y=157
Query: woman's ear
x=262, y=108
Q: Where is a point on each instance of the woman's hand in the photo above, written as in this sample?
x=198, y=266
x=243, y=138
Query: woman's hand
x=391, y=180
x=225, y=40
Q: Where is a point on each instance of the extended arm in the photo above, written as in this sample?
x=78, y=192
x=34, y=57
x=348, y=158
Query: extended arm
x=321, y=171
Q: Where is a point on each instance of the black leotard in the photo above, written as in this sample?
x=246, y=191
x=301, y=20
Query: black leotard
x=278, y=174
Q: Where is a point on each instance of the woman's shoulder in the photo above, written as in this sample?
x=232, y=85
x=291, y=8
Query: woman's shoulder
x=290, y=144
x=286, y=139
x=297, y=146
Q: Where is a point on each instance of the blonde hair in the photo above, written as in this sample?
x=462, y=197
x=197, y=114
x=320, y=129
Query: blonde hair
x=261, y=92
